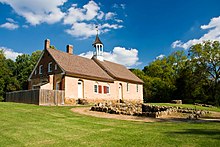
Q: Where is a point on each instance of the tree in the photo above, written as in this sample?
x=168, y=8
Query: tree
x=206, y=58
x=24, y=66
x=8, y=81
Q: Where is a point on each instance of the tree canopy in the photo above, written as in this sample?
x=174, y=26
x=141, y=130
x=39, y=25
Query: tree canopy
x=14, y=74
x=192, y=78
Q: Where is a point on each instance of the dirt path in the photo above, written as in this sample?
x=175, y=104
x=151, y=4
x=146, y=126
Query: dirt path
x=172, y=118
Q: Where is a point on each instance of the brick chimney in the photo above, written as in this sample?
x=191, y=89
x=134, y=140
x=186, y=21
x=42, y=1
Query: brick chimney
x=69, y=49
x=46, y=44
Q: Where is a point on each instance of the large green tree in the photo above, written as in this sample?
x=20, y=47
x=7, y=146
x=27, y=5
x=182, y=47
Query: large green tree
x=24, y=66
x=8, y=80
x=206, y=59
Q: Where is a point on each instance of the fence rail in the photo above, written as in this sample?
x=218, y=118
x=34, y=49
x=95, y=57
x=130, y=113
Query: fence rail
x=38, y=97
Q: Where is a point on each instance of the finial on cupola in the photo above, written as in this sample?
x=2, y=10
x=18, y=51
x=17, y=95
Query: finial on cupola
x=98, y=45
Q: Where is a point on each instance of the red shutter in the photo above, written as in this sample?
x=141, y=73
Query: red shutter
x=100, y=89
x=105, y=89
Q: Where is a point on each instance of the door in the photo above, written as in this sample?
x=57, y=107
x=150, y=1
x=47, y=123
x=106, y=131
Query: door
x=120, y=91
x=58, y=86
x=80, y=89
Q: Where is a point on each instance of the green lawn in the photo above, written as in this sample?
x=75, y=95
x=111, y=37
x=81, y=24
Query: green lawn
x=30, y=125
x=217, y=109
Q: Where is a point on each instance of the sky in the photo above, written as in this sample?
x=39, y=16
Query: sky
x=134, y=33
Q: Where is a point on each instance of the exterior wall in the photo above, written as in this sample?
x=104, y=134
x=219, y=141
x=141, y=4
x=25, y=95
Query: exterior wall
x=37, y=78
x=45, y=60
x=131, y=94
x=71, y=91
x=49, y=85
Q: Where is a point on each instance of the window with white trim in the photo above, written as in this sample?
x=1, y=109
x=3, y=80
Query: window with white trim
x=40, y=69
x=35, y=72
x=127, y=86
x=137, y=87
x=96, y=88
x=49, y=67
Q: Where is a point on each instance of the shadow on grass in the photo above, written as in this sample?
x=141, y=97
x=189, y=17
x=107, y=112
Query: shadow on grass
x=212, y=133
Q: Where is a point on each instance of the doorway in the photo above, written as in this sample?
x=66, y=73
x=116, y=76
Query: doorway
x=120, y=93
x=80, y=89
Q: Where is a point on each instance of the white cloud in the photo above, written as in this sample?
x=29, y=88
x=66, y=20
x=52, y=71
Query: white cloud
x=121, y=55
x=119, y=6
x=109, y=15
x=11, y=20
x=213, y=34
x=100, y=15
x=122, y=6
x=118, y=20
x=161, y=56
x=81, y=20
x=9, y=53
x=39, y=11
x=85, y=30
x=9, y=25
x=82, y=30
x=25, y=26
x=88, y=12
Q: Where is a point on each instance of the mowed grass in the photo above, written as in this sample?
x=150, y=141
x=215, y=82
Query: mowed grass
x=216, y=109
x=31, y=125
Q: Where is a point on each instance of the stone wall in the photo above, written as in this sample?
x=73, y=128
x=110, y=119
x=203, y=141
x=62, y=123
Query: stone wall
x=138, y=109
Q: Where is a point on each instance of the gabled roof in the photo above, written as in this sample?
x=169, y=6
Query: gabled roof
x=79, y=66
x=117, y=71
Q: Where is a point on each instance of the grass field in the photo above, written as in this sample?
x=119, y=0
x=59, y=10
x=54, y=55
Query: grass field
x=30, y=125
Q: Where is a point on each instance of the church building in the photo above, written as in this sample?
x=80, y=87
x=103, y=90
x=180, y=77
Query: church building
x=92, y=79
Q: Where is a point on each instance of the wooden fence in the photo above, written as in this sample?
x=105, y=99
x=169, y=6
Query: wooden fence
x=38, y=97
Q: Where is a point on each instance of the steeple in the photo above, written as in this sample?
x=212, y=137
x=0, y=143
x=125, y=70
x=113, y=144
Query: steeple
x=98, y=53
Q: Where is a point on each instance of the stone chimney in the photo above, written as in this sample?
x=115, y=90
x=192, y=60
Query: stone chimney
x=69, y=49
x=46, y=44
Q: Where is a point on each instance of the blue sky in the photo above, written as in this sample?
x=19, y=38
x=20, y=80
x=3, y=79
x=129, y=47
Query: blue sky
x=134, y=33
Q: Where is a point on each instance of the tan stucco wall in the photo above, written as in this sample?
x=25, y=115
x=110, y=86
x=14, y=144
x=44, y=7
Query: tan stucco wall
x=131, y=94
x=49, y=85
x=71, y=90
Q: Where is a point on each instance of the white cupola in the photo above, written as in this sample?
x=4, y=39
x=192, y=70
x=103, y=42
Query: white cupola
x=98, y=53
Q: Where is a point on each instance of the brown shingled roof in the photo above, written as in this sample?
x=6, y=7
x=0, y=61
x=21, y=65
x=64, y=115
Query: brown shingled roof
x=97, y=40
x=118, y=71
x=79, y=66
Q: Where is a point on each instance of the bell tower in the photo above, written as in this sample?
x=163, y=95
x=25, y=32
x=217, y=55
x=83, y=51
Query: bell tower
x=98, y=45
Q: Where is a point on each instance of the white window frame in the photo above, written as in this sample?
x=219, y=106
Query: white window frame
x=97, y=88
x=40, y=69
x=55, y=66
x=127, y=87
x=49, y=69
x=137, y=87
x=35, y=72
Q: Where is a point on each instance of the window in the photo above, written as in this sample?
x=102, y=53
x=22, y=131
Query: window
x=96, y=88
x=49, y=67
x=35, y=72
x=100, y=89
x=137, y=87
x=106, y=89
x=127, y=87
x=40, y=69
x=55, y=66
